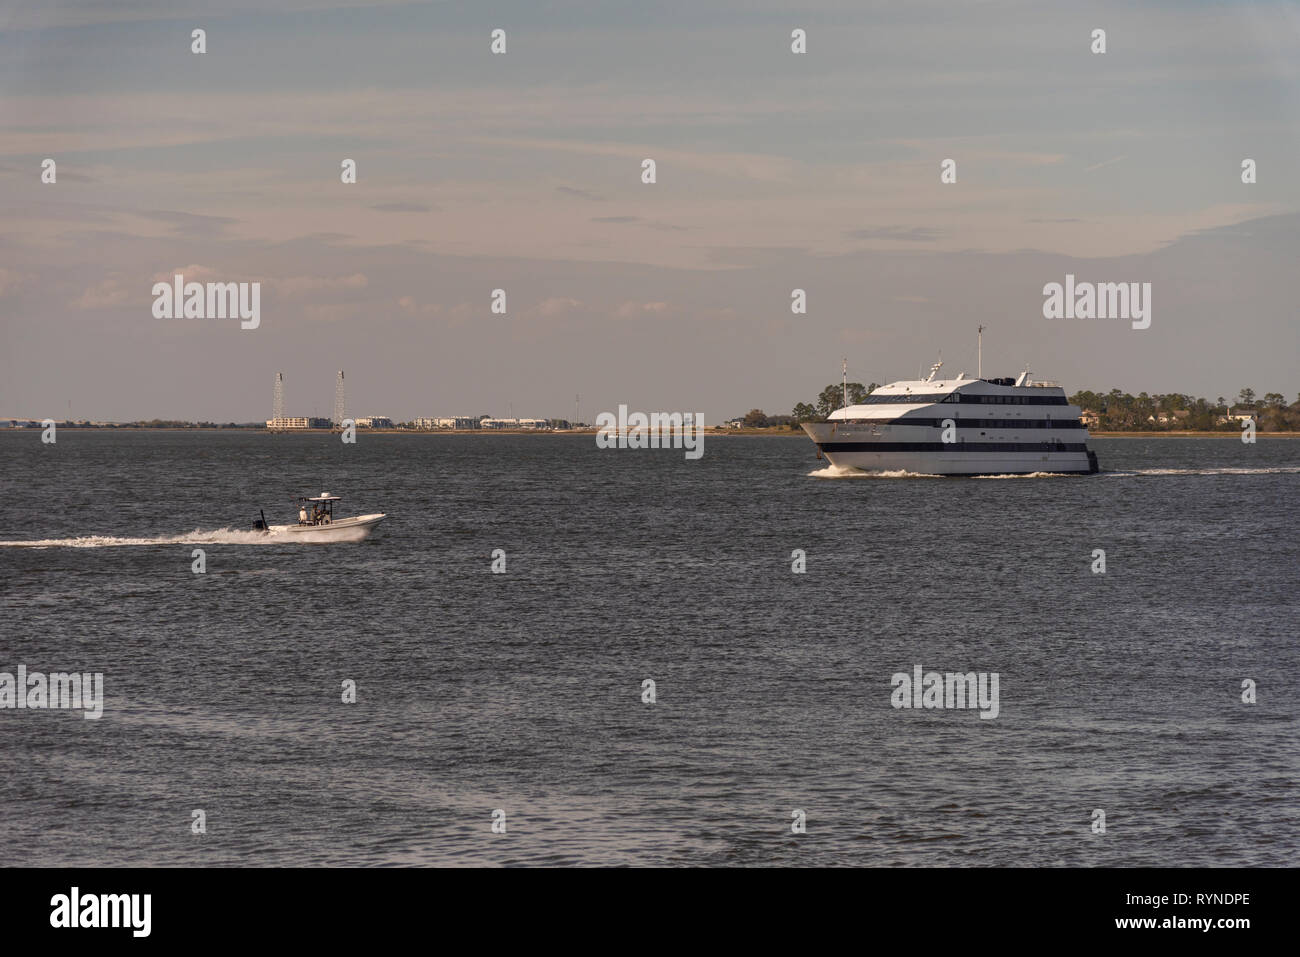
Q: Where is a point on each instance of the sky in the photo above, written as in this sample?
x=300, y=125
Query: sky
x=523, y=171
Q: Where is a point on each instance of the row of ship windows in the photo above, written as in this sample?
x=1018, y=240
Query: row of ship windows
x=929, y=398
x=976, y=423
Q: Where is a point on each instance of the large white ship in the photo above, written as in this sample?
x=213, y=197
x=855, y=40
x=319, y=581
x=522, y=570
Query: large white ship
x=958, y=426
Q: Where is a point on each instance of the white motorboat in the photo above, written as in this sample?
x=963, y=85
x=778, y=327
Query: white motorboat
x=317, y=522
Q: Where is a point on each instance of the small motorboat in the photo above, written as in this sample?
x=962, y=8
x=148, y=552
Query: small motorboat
x=317, y=523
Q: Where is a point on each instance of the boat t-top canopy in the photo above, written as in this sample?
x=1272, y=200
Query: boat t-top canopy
x=323, y=497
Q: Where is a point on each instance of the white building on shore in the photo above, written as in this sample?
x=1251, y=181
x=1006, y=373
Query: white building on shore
x=446, y=422
x=515, y=424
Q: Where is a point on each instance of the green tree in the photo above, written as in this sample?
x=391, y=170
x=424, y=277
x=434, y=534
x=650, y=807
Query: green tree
x=755, y=419
x=832, y=397
x=803, y=412
x=858, y=392
x=1247, y=396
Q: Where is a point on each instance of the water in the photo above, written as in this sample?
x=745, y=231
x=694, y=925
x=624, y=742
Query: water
x=522, y=691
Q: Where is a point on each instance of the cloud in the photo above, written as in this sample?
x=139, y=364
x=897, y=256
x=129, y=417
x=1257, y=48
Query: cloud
x=631, y=309
x=194, y=272
x=402, y=208
x=298, y=287
x=759, y=167
x=557, y=306
x=722, y=314
x=329, y=311
x=620, y=220
x=111, y=291
x=912, y=234
x=328, y=238
x=1089, y=169
x=11, y=280
x=411, y=307
x=457, y=315
x=189, y=224
x=578, y=193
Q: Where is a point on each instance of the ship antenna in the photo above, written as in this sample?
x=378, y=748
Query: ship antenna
x=845, y=371
x=979, y=354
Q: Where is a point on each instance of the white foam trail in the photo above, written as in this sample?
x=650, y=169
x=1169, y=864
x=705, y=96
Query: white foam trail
x=1030, y=475
x=847, y=472
x=1276, y=470
x=839, y=472
x=220, y=536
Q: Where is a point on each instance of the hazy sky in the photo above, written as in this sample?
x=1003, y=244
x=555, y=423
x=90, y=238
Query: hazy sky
x=522, y=171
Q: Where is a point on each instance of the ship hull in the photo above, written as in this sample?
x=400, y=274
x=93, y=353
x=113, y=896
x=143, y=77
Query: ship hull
x=914, y=451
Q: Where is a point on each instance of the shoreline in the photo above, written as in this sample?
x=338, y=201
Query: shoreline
x=721, y=433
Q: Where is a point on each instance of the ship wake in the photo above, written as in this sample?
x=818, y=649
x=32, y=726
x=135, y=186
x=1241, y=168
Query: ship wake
x=1273, y=470
x=847, y=472
x=220, y=536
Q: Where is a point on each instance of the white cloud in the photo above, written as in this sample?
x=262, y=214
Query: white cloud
x=631, y=309
x=192, y=273
x=303, y=287
x=557, y=306
x=411, y=307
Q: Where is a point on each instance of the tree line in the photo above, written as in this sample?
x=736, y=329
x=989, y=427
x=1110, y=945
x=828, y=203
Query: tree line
x=1121, y=412
x=828, y=400
x=1117, y=411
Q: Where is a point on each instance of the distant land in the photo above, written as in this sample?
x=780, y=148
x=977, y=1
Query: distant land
x=1103, y=413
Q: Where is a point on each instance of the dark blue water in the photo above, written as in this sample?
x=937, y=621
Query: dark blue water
x=522, y=691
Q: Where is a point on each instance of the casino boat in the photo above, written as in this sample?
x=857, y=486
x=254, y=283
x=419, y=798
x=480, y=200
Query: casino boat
x=958, y=426
x=319, y=524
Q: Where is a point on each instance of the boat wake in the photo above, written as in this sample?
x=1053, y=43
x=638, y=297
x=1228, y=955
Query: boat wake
x=1274, y=470
x=840, y=472
x=845, y=472
x=220, y=536
x=1030, y=475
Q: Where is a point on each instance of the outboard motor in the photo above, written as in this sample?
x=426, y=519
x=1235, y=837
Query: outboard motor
x=260, y=525
x=1093, y=467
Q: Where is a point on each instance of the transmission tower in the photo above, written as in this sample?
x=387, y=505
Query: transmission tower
x=277, y=404
x=339, y=403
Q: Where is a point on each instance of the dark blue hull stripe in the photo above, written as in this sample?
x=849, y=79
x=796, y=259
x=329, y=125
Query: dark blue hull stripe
x=953, y=446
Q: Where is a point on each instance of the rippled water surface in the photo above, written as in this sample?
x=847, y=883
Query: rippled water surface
x=522, y=691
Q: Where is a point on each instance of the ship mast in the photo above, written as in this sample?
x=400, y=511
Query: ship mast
x=846, y=381
x=979, y=353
